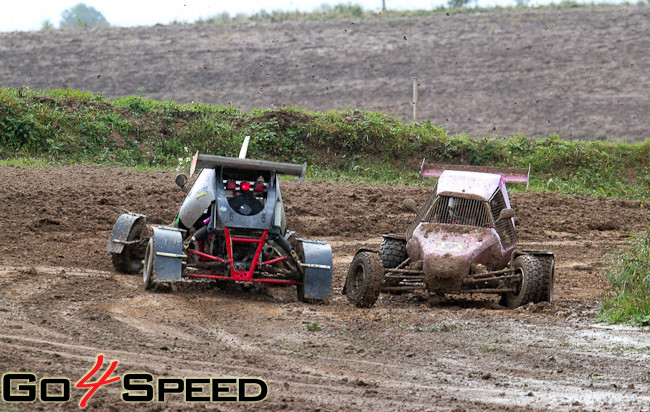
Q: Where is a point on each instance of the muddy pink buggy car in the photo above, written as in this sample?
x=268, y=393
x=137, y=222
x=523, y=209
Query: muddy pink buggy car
x=462, y=240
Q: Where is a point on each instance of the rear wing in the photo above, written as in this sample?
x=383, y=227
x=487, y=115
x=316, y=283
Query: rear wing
x=204, y=161
x=509, y=174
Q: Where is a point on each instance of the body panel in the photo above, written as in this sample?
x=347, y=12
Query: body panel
x=168, y=247
x=318, y=269
x=199, y=198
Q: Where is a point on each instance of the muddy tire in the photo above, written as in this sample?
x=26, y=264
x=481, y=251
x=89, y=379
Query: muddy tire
x=545, y=293
x=129, y=260
x=365, y=278
x=149, y=269
x=530, y=271
x=393, y=252
x=300, y=288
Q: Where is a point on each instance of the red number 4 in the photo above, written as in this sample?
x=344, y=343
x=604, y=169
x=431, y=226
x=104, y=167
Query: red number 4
x=95, y=385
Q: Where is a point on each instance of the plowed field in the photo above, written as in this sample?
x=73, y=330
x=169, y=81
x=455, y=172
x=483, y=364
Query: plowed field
x=581, y=73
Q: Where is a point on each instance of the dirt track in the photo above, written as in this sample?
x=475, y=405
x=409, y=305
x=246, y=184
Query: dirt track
x=61, y=304
x=581, y=73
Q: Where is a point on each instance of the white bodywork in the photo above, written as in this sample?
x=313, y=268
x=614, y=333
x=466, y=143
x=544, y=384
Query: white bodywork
x=199, y=198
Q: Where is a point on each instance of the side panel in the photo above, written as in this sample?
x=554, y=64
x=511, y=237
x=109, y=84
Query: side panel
x=318, y=269
x=121, y=231
x=168, y=244
x=199, y=197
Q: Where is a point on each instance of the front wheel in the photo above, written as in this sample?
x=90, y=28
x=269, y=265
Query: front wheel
x=530, y=281
x=393, y=253
x=149, y=270
x=300, y=291
x=365, y=278
x=129, y=260
x=547, y=263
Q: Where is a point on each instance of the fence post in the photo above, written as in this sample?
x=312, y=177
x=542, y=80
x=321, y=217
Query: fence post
x=415, y=100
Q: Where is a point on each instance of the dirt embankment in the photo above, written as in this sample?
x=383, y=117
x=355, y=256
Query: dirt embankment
x=581, y=73
x=61, y=304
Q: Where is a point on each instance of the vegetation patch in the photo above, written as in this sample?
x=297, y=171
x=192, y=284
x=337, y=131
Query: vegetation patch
x=355, y=11
x=628, y=300
x=69, y=126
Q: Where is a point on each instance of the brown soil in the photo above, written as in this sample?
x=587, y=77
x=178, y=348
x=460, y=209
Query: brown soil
x=581, y=73
x=61, y=304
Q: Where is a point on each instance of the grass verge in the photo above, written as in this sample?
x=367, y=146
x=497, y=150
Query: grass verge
x=357, y=12
x=628, y=300
x=54, y=127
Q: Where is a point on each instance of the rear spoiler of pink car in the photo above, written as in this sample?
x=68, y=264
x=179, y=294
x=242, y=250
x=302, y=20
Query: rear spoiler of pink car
x=509, y=174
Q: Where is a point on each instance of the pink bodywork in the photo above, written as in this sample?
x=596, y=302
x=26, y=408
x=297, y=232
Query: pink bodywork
x=448, y=251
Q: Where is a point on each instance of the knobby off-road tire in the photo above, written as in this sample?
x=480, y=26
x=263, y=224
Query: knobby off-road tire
x=545, y=293
x=300, y=291
x=393, y=252
x=149, y=269
x=530, y=271
x=129, y=260
x=300, y=288
x=365, y=278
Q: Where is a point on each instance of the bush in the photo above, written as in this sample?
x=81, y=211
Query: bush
x=69, y=125
x=628, y=300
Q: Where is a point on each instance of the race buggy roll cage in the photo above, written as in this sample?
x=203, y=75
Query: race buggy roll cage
x=235, y=206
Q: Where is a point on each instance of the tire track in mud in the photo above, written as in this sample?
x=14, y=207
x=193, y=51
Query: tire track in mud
x=408, y=352
x=337, y=381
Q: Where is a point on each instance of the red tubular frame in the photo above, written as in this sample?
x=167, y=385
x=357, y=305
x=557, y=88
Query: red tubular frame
x=204, y=255
x=276, y=281
x=276, y=260
x=243, y=275
x=240, y=275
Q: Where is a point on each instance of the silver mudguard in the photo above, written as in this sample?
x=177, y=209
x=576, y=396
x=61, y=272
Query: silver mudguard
x=168, y=247
x=318, y=269
x=121, y=231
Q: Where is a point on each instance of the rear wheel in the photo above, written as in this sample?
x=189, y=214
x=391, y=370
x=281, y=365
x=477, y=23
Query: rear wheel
x=530, y=281
x=149, y=270
x=129, y=260
x=365, y=278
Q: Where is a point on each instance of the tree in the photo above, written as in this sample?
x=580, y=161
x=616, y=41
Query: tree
x=82, y=16
x=47, y=25
x=457, y=4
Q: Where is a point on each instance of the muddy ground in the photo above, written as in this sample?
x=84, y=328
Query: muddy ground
x=581, y=73
x=61, y=304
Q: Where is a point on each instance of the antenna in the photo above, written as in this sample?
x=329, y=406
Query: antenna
x=244, y=148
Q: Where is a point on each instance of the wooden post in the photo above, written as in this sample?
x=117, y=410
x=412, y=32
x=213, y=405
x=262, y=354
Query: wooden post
x=415, y=100
x=383, y=5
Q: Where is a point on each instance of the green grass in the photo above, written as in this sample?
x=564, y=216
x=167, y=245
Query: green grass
x=628, y=300
x=355, y=11
x=60, y=127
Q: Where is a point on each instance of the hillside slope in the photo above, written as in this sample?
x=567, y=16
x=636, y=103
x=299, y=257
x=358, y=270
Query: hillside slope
x=582, y=73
